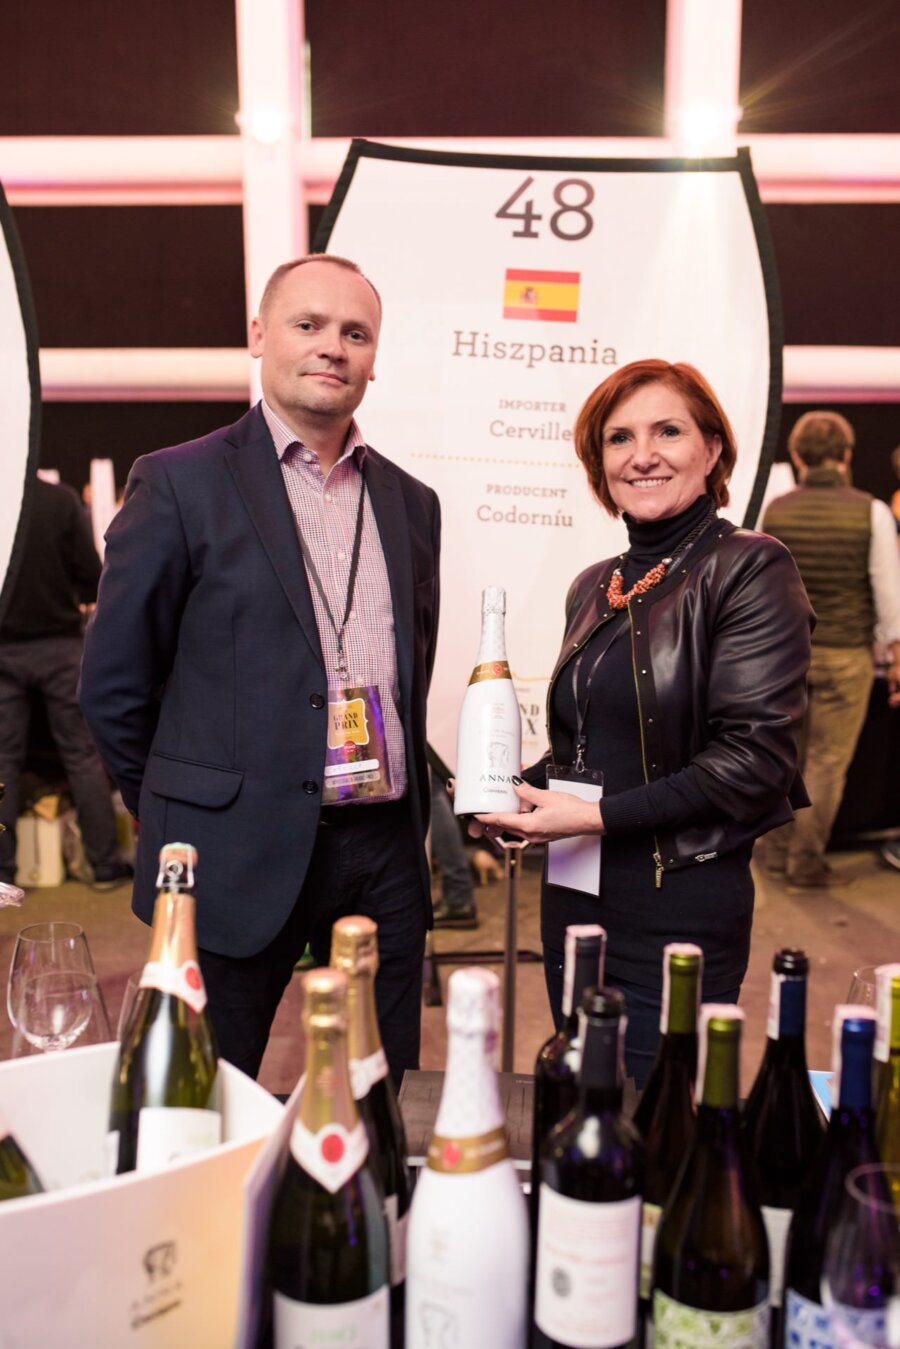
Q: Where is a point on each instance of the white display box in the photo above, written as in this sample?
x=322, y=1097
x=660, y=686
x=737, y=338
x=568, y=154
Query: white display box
x=39, y=852
x=153, y=1261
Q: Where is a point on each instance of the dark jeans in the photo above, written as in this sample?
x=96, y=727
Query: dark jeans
x=643, y=1006
x=366, y=861
x=449, y=850
x=51, y=666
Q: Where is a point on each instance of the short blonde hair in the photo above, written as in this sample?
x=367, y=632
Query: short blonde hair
x=281, y=272
x=821, y=437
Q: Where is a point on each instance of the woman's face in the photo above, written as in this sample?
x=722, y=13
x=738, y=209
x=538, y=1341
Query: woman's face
x=655, y=456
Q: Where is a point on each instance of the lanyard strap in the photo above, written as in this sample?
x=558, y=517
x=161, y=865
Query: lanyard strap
x=341, y=667
x=581, y=708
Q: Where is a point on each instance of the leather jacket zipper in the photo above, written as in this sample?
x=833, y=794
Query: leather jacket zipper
x=657, y=856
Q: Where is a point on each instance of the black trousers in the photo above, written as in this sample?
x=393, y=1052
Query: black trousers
x=51, y=665
x=366, y=861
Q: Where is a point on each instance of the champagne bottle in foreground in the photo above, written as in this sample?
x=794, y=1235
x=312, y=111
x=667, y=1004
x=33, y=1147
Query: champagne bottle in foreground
x=556, y=1066
x=887, y=1071
x=489, y=737
x=589, y=1216
x=849, y=1142
x=18, y=1177
x=783, y=1126
x=665, y=1116
x=329, y=1263
x=711, y=1268
x=468, y=1228
x=165, y=1101
x=354, y=949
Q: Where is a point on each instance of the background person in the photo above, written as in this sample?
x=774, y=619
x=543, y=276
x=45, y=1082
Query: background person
x=254, y=581
x=684, y=664
x=845, y=545
x=40, y=652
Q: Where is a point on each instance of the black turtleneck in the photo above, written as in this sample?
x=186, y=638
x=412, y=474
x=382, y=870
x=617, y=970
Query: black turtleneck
x=637, y=914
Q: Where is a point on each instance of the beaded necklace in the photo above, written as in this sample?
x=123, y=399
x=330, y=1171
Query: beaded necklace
x=615, y=597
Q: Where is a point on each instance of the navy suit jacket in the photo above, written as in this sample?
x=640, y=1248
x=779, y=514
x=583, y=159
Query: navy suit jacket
x=203, y=680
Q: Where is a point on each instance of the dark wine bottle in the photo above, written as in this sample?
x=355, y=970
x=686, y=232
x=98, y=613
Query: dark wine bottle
x=329, y=1262
x=711, y=1268
x=665, y=1116
x=18, y=1177
x=354, y=949
x=591, y=1176
x=165, y=1101
x=887, y=1072
x=783, y=1126
x=556, y=1066
x=849, y=1142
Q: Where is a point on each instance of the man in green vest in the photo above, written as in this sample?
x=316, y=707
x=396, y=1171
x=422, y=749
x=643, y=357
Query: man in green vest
x=845, y=545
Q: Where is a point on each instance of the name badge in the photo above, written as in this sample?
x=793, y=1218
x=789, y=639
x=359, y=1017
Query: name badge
x=356, y=762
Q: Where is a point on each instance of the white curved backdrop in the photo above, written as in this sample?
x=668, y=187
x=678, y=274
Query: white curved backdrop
x=512, y=286
x=19, y=404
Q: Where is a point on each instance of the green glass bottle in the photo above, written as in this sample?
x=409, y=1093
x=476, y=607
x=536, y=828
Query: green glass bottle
x=711, y=1268
x=18, y=1177
x=354, y=949
x=887, y=1071
x=329, y=1261
x=665, y=1116
x=164, y=1095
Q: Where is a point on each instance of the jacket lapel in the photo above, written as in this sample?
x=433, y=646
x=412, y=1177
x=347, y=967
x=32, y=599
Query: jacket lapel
x=389, y=509
x=254, y=466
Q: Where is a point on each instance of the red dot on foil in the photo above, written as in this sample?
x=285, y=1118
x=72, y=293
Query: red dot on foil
x=452, y=1154
x=332, y=1148
x=192, y=977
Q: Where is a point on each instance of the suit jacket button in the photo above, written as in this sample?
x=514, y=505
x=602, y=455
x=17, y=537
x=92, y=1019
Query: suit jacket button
x=310, y=787
x=316, y=700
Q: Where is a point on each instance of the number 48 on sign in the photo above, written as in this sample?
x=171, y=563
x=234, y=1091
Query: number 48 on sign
x=572, y=196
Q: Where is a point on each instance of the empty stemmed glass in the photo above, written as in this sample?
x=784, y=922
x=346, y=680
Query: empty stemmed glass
x=52, y=994
x=861, y=1273
x=863, y=986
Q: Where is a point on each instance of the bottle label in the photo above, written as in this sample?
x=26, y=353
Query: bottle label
x=363, y=1323
x=332, y=1155
x=676, y=1326
x=649, y=1223
x=396, y=1226
x=774, y=1022
x=185, y=981
x=777, y=1221
x=463, y=1156
x=364, y=1073
x=806, y=1324
x=490, y=669
x=166, y=1133
x=587, y=1270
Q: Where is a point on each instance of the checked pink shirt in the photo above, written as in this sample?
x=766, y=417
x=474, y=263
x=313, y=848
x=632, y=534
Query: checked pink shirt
x=325, y=512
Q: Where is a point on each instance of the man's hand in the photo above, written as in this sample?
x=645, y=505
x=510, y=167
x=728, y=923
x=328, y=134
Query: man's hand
x=546, y=816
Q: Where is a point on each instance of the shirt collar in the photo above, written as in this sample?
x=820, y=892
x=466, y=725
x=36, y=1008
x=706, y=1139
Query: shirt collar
x=284, y=437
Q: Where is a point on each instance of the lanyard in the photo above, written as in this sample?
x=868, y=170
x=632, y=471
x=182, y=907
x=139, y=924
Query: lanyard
x=341, y=667
x=581, y=708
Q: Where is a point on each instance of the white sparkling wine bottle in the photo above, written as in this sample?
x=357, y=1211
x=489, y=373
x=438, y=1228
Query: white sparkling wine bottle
x=329, y=1263
x=164, y=1094
x=489, y=738
x=467, y=1260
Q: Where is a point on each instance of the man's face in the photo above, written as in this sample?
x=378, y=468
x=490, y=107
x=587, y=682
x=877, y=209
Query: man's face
x=317, y=342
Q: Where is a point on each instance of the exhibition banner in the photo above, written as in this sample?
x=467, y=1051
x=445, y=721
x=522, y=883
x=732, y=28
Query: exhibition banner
x=21, y=401
x=512, y=287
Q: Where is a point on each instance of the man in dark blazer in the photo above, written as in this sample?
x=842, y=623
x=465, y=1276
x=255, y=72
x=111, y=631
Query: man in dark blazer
x=258, y=583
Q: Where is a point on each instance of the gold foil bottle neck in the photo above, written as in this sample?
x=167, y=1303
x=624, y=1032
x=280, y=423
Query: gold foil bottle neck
x=325, y=1000
x=327, y=1097
x=354, y=945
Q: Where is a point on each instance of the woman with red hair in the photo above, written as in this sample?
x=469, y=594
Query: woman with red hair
x=682, y=681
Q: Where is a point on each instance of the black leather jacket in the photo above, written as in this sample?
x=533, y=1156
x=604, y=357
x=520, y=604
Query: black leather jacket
x=720, y=651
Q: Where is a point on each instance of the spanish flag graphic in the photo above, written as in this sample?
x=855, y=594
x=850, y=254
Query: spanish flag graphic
x=549, y=297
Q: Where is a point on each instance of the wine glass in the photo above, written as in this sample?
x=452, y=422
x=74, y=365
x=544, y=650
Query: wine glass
x=58, y=1008
x=132, y=985
x=861, y=1272
x=863, y=988
x=42, y=948
x=10, y=895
